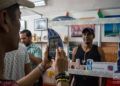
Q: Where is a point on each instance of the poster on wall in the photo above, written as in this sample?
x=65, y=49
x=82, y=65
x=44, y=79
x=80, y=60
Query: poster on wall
x=112, y=30
x=40, y=24
x=76, y=30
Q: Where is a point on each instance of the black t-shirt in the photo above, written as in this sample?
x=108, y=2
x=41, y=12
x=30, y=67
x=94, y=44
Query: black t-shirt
x=92, y=54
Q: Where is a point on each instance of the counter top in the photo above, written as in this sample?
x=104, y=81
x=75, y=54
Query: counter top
x=99, y=69
x=92, y=73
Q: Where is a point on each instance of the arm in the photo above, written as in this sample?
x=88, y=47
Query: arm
x=102, y=54
x=34, y=59
x=73, y=60
x=29, y=79
x=73, y=53
x=27, y=68
x=34, y=75
x=61, y=65
x=63, y=84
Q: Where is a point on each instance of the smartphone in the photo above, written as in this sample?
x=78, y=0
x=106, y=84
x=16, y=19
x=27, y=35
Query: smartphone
x=54, y=42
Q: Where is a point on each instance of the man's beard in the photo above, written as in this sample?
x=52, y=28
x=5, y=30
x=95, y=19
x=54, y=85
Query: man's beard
x=27, y=44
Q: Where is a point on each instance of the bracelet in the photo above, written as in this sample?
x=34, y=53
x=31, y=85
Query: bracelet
x=62, y=75
x=62, y=80
x=41, y=68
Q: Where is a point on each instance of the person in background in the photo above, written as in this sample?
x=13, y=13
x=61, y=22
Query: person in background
x=17, y=63
x=84, y=51
x=9, y=39
x=33, y=50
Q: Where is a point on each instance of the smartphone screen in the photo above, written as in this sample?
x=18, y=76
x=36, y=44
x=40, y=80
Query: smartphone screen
x=53, y=45
x=54, y=42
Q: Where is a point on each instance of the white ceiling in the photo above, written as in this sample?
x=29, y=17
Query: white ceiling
x=55, y=6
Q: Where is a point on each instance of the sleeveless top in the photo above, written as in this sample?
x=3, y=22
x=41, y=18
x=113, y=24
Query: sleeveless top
x=94, y=54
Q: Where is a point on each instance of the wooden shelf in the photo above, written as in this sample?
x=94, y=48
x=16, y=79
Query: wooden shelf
x=84, y=21
x=110, y=49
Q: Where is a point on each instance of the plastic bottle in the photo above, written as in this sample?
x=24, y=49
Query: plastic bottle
x=77, y=64
x=89, y=64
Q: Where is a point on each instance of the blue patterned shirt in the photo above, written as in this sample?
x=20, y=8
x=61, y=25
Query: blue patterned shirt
x=35, y=50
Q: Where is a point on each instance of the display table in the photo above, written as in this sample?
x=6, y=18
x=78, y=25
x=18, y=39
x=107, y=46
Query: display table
x=94, y=73
x=101, y=69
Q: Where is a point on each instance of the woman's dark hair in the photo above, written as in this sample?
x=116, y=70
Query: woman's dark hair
x=28, y=33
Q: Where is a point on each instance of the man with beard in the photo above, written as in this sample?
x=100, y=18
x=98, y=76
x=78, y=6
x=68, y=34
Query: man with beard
x=33, y=50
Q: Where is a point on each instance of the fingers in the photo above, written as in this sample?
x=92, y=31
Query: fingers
x=63, y=54
x=46, y=53
x=61, y=63
x=60, y=53
x=46, y=50
x=57, y=54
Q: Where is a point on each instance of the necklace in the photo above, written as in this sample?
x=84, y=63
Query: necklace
x=84, y=59
x=85, y=50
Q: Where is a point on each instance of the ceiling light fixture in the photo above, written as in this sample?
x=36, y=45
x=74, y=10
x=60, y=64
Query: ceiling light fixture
x=39, y=2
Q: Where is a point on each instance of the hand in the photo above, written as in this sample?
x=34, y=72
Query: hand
x=30, y=55
x=61, y=61
x=46, y=62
